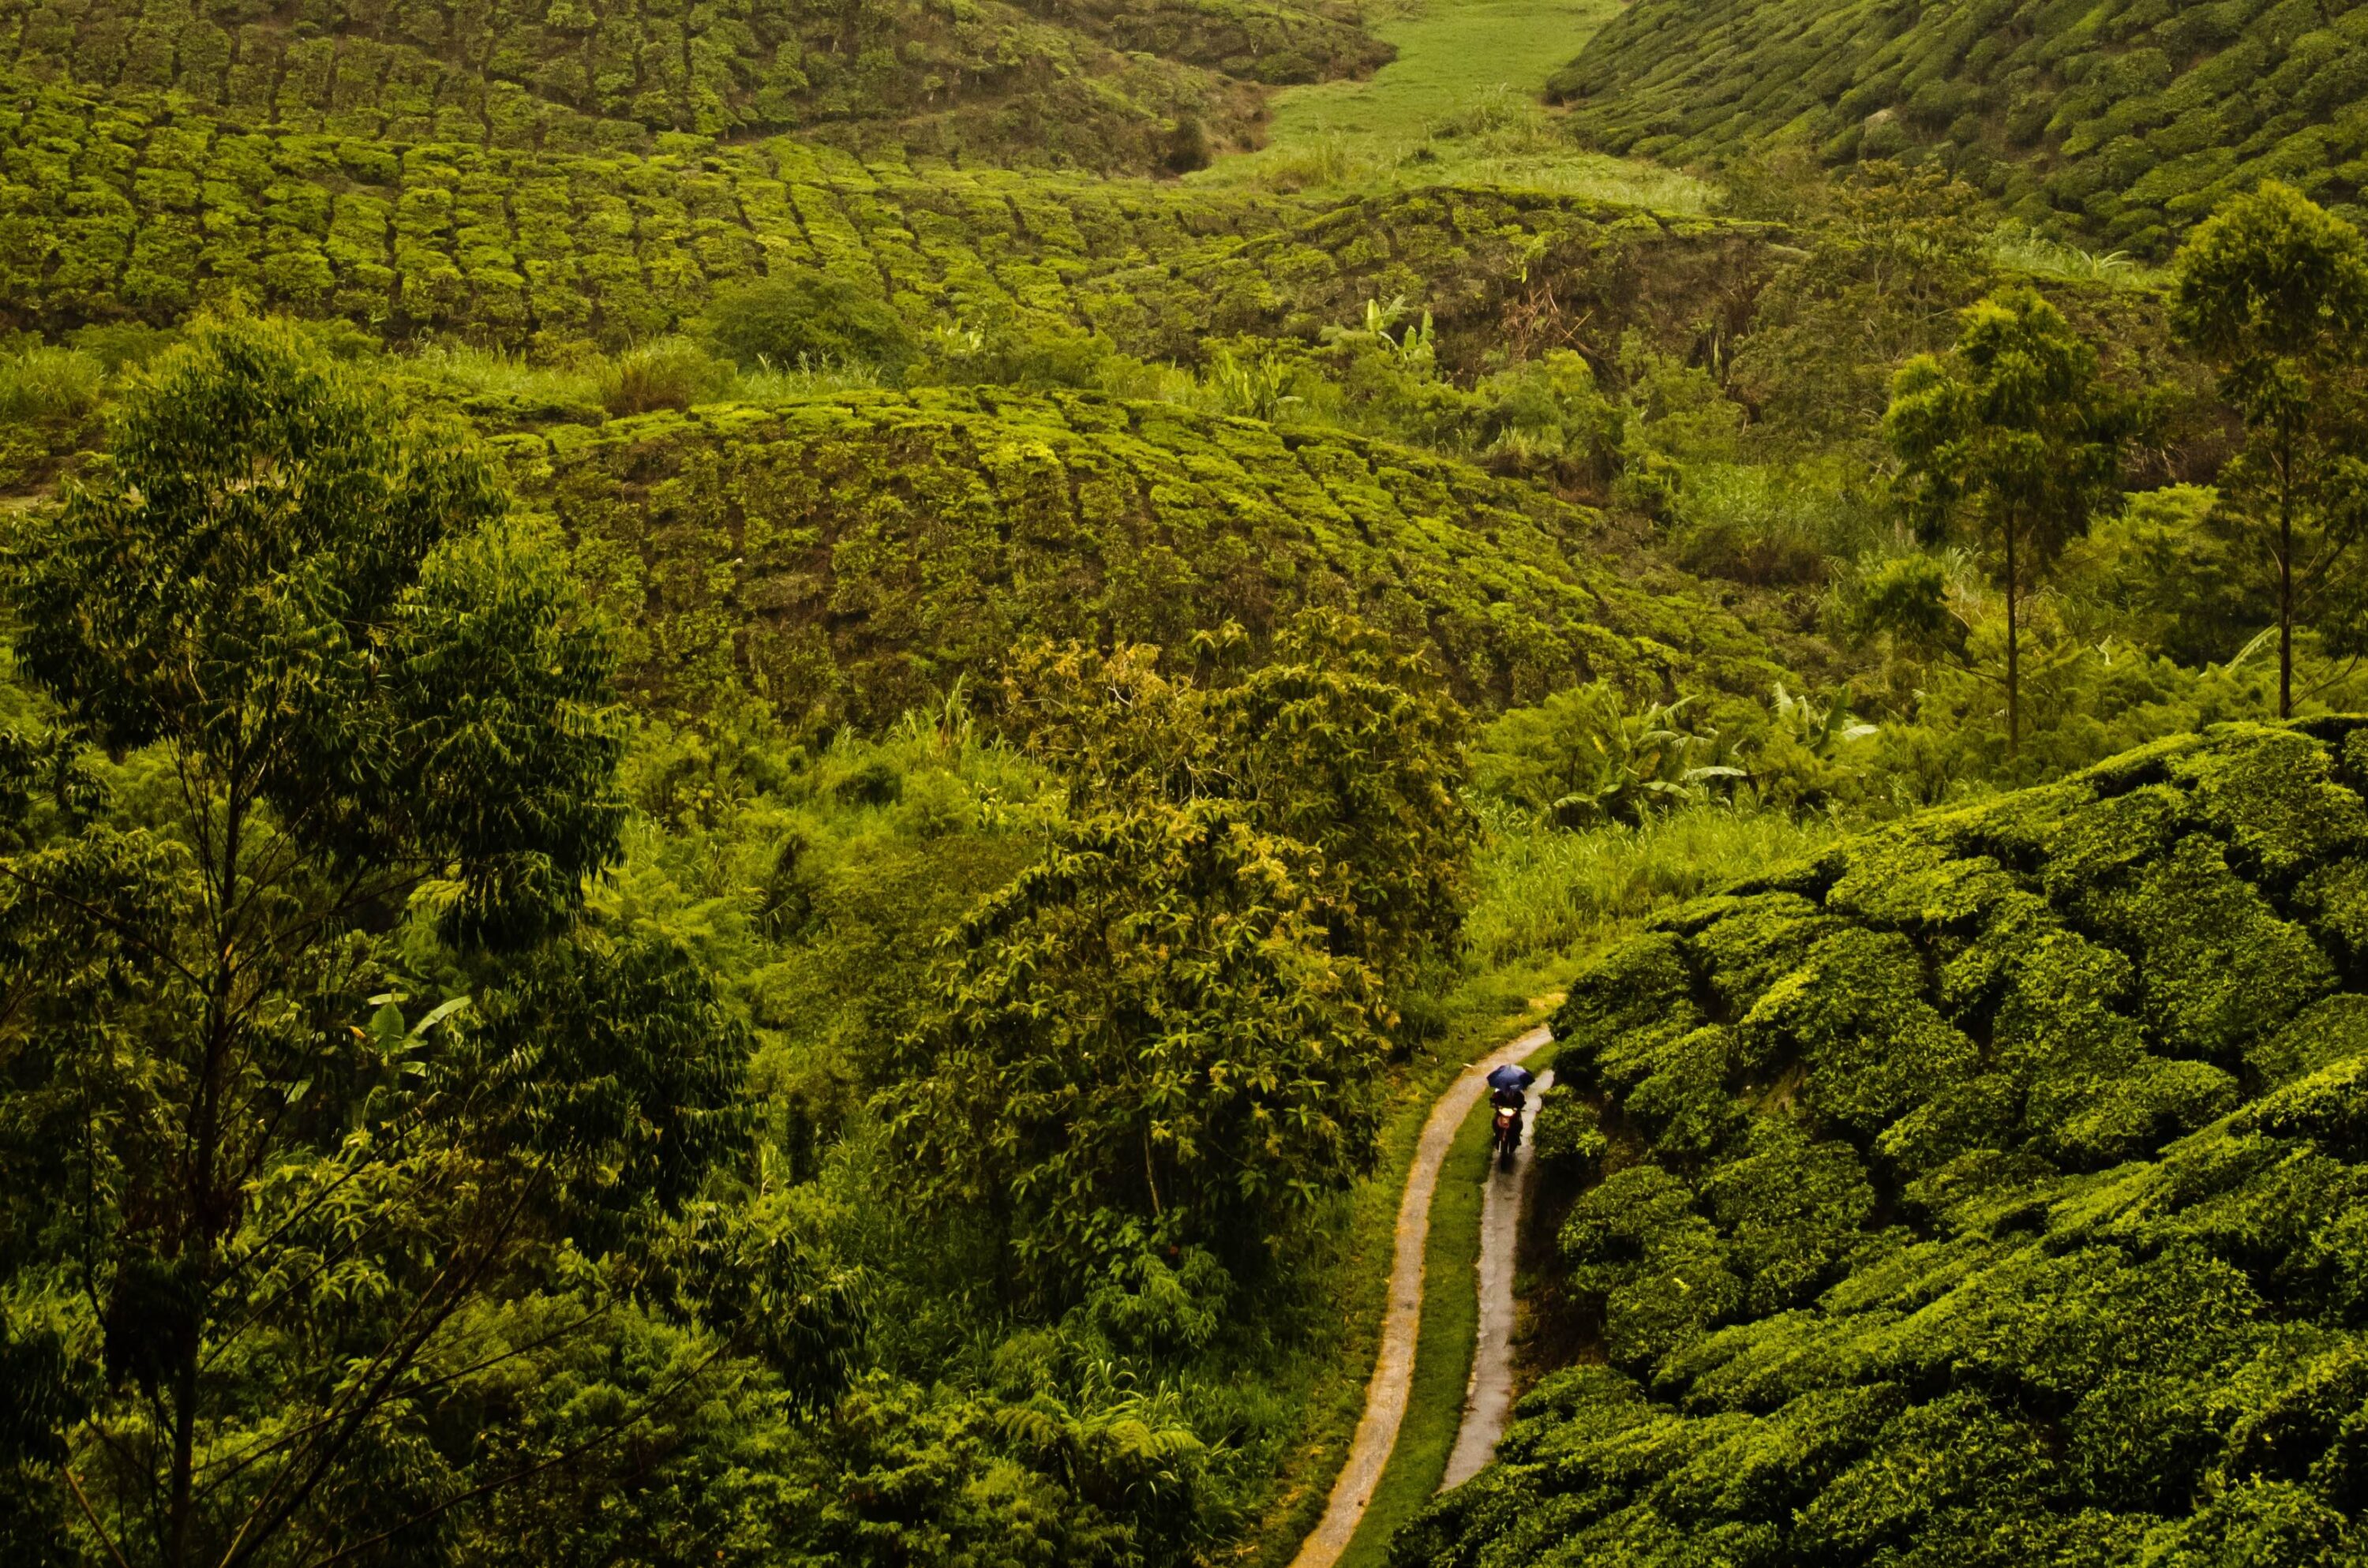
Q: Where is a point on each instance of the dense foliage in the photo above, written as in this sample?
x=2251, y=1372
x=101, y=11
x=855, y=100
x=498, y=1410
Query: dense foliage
x=272, y=1208
x=1983, y=1190
x=751, y=772
x=2129, y=121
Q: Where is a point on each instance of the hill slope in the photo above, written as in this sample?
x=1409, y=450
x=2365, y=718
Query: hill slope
x=2126, y=119
x=1085, y=82
x=1989, y=1191
x=135, y=206
x=849, y=557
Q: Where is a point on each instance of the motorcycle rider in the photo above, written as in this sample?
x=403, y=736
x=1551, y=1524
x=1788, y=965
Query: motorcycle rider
x=1509, y=1089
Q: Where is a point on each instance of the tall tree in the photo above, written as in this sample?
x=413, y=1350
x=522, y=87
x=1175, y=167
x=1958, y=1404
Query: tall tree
x=2014, y=434
x=2274, y=290
x=1165, y=1033
x=1145, y=1043
x=1339, y=742
x=301, y=1037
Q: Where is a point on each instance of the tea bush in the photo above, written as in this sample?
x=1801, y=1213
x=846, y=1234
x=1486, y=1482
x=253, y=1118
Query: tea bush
x=848, y=557
x=2126, y=122
x=1979, y=1190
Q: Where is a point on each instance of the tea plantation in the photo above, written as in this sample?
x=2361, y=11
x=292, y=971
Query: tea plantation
x=2126, y=120
x=1987, y=1190
x=847, y=558
x=115, y=206
x=1086, y=84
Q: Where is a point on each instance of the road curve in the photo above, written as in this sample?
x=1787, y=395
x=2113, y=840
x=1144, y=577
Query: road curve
x=1385, y=1396
x=1488, y=1397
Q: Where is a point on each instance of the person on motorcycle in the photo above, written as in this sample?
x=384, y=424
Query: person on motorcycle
x=1509, y=1091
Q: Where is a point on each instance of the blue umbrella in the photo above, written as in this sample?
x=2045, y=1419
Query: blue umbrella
x=1512, y=1075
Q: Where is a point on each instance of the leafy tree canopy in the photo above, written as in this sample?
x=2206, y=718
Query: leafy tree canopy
x=318, y=1085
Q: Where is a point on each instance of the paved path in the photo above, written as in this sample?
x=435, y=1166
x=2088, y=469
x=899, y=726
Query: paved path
x=1488, y=1397
x=1385, y=1396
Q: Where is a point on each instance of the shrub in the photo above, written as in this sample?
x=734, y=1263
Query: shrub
x=672, y=373
x=811, y=321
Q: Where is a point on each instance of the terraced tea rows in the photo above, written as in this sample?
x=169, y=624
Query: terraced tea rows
x=111, y=208
x=848, y=557
x=1984, y=1192
x=1095, y=84
x=2128, y=119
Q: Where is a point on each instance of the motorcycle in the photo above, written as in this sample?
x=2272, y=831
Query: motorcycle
x=1508, y=1130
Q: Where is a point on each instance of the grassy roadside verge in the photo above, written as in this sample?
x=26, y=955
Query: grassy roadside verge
x=1442, y=1355
x=1481, y=1015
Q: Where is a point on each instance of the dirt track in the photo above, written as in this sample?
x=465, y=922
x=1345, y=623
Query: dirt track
x=1385, y=1396
x=1488, y=1397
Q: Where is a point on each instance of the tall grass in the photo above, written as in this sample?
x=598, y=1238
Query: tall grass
x=470, y=371
x=2018, y=250
x=1544, y=890
x=50, y=383
x=667, y=372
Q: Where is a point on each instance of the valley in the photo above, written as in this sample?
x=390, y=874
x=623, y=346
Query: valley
x=769, y=771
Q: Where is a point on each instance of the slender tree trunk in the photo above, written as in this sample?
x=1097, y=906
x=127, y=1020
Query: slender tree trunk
x=185, y=1431
x=2013, y=647
x=2285, y=580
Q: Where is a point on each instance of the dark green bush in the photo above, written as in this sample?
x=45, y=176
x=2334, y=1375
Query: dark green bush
x=2031, y=1230
x=810, y=319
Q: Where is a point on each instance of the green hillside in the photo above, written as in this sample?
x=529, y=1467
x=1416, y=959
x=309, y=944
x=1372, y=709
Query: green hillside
x=2125, y=121
x=847, y=558
x=760, y=759
x=1985, y=1191
x=112, y=208
x=1089, y=85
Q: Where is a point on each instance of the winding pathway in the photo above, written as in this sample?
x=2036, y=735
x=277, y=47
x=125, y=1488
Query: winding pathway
x=1488, y=1397
x=1385, y=1396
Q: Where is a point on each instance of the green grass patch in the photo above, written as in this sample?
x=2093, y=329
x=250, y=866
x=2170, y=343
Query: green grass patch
x=1442, y=1356
x=1459, y=104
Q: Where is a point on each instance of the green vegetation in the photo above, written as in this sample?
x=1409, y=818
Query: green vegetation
x=552, y=250
x=1975, y=1192
x=1099, y=85
x=753, y=771
x=2126, y=122
x=781, y=552
x=1457, y=106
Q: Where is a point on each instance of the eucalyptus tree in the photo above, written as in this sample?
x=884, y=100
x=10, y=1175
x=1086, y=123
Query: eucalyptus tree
x=2015, y=436
x=2273, y=290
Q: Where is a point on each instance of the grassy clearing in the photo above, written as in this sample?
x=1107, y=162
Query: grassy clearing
x=1442, y=1358
x=1459, y=104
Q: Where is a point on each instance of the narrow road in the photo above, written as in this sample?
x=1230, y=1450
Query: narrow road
x=1488, y=1397
x=1385, y=1396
